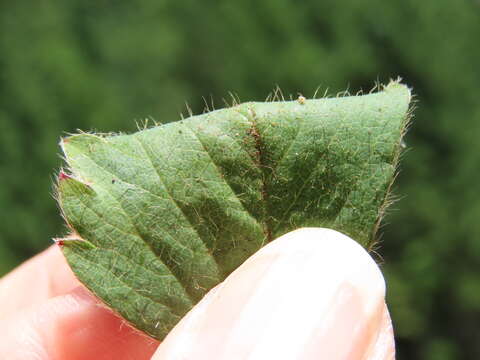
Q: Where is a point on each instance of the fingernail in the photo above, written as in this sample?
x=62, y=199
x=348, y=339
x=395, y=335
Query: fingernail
x=311, y=294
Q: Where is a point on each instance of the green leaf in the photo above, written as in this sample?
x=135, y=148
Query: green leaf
x=161, y=216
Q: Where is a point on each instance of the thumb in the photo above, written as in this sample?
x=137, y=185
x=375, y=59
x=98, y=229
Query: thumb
x=311, y=294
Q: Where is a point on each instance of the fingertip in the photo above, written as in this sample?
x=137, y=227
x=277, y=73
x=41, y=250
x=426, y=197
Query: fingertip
x=313, y=293
x=342, y=257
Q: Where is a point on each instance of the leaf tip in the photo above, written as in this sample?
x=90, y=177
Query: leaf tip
x=397, y=85
x=74, y=240
x=59, y=242
x=70, y=185
x=63, y=176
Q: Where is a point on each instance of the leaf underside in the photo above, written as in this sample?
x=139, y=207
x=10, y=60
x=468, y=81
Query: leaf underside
x=159, y=217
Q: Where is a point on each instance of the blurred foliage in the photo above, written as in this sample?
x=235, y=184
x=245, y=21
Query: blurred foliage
x=101, y=65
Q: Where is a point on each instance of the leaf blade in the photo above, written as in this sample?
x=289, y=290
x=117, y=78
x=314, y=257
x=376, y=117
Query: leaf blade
x=171, y=211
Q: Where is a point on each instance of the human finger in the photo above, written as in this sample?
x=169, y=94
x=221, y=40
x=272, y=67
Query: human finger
x=44, y=276
x=311, y=294
x=72, y=326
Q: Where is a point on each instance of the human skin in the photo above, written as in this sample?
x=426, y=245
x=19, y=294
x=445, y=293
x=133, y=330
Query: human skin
x=311, y=294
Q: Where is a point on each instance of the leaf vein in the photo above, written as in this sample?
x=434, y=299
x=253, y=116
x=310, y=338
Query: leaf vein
x=137, y=232
x=126, y=284
x=174, y=201
x=219, y=171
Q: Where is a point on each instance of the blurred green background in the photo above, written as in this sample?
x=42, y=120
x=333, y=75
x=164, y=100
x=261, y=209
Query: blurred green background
x=101, y=65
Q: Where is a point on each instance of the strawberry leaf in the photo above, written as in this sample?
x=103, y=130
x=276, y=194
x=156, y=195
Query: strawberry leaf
x=159, y=217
